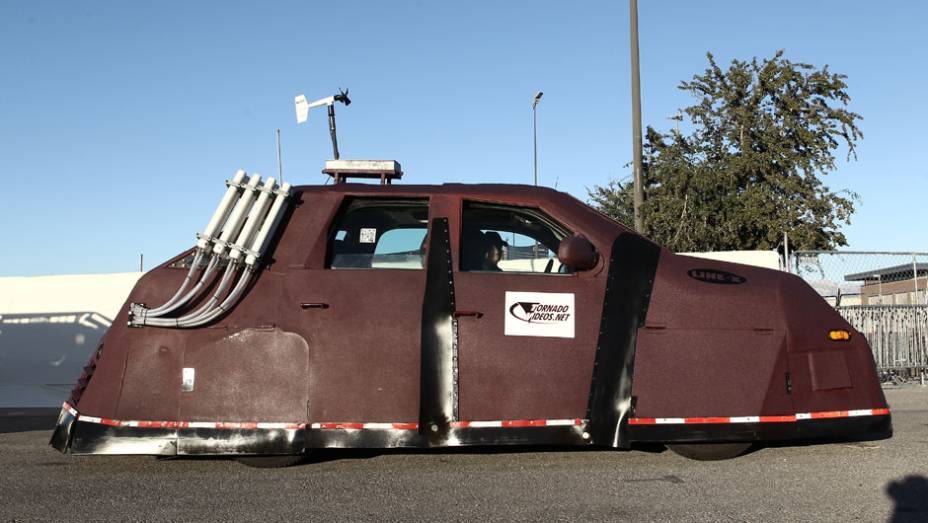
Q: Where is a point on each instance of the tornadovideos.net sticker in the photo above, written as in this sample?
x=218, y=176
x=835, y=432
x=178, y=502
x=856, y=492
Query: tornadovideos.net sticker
x=546, y=314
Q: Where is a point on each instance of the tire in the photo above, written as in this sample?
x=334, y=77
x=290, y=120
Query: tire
x=710, y=451
x=271, y=462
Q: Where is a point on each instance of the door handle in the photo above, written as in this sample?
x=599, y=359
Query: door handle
x=305, y=305
x=470, y=314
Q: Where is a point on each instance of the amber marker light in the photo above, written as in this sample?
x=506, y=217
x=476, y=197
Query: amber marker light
x=839, y=335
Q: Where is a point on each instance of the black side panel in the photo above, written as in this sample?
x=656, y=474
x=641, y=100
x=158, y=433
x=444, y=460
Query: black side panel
x=455, y=437
x=94, y=438
x=240, y=441
x=436, y=391
x=61, y=438
x=632, y=266
x=864, y=428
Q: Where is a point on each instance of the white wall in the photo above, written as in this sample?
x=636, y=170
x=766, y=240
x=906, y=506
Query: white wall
x=49, y=325
x=766, y=259
x=100, y=293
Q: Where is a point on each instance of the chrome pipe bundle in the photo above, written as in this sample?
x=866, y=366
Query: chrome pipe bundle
x=237, y=235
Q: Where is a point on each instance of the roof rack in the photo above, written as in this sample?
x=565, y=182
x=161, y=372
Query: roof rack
x=385, y=170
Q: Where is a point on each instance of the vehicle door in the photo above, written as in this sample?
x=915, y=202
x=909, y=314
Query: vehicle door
x=361, y=313
x=527, y=326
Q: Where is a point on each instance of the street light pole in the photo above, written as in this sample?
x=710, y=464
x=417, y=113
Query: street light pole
x=636, y=118
x=537, y=99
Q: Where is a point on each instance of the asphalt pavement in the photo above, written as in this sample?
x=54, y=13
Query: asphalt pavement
x=870, y=482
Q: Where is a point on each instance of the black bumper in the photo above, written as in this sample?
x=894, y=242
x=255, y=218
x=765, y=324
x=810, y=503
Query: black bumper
x=864, y=428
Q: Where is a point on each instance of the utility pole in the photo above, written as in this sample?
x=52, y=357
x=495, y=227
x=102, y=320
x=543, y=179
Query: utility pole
x=677, y=118
x=786, y=252
x=636, y=118
x=537, y=99
x=280, y=166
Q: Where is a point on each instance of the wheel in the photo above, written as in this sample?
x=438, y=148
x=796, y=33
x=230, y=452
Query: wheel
x=271, y=462
x=710, y=451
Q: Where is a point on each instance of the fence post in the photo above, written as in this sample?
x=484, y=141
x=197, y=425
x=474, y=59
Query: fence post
x=915, y=315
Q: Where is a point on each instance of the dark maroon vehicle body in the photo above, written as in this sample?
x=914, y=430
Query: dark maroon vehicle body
x=667, y=348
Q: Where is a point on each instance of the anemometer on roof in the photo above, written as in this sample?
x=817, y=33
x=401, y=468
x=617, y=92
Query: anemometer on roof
x=303, y=107
x=340, y=170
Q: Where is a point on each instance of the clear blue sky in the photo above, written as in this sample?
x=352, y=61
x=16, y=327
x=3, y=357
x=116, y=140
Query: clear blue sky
x=119, y=121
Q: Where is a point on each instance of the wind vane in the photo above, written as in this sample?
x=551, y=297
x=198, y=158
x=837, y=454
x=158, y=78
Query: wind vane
x=303, y=107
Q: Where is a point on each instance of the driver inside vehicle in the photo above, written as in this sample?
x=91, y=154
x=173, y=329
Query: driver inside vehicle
x=493, y=251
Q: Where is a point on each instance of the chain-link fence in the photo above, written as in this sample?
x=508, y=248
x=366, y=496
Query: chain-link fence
x=884, y=295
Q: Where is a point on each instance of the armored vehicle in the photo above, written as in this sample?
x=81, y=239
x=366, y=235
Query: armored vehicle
x=390, y=315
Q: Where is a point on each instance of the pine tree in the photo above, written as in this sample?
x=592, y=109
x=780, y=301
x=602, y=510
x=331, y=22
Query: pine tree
x=761, y=136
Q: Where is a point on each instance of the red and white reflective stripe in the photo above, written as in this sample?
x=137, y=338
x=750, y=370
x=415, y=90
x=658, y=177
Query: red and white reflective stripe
x=454, y=424
x=792, y=418
x=343, y=425
x=517, y=423
x=181, y=424
x=576, y=422
x=333, y=425
x=843, y=414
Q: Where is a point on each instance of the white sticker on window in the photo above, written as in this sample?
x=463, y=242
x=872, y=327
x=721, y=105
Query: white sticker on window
x=368, y=235
x=546, y=314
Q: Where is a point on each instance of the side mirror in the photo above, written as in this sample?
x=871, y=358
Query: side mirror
x=577, y=253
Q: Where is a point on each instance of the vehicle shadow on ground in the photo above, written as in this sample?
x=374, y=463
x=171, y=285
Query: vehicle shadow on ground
x=910, y=499
x=348, y=454
x=25, y=420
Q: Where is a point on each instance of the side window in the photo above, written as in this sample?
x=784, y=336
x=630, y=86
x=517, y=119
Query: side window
x=379, y=234
x=510, y=239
